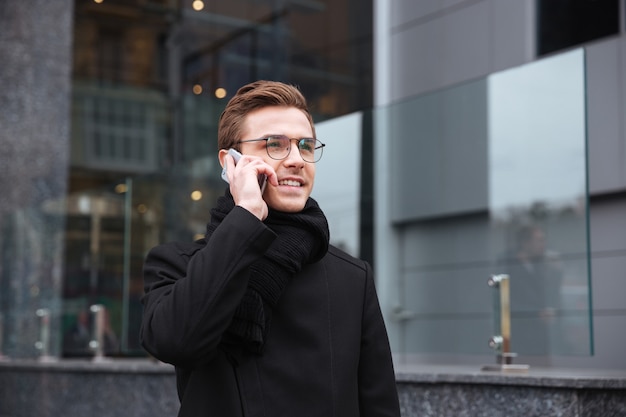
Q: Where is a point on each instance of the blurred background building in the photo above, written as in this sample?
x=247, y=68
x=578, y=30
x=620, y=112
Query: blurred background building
x=465, y=138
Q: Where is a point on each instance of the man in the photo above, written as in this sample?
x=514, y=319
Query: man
x=263, y=317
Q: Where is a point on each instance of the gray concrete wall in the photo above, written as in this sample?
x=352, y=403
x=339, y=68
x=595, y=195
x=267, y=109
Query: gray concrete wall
x=435, y=44
x=83, y=388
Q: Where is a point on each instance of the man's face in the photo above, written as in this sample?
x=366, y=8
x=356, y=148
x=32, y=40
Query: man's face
x=295, y=176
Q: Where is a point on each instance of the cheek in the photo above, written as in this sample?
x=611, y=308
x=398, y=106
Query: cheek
x=310, y=173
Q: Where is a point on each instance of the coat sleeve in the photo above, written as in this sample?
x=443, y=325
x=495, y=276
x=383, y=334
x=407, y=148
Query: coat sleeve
x=378, y=396
x=191, y=290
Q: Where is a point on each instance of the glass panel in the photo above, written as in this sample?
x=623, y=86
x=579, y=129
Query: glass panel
x=94, y=270
x=109, y=232
x=489, y=177
x=537, y=200
x=338, y=192
x=31, y=260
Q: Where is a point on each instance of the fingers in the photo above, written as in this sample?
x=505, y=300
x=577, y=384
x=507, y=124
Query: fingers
x=272, y=178
x=248, y=168
x=244, y=183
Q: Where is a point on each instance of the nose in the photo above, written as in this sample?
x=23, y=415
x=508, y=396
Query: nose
x=294, y=158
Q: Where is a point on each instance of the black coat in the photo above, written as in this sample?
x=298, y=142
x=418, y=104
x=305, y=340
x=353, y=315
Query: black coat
x=326, y=352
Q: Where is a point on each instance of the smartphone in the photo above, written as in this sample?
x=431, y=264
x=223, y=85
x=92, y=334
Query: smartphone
x=236, y=155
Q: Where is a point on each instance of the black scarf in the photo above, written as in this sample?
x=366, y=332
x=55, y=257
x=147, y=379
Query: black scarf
x=302, y=238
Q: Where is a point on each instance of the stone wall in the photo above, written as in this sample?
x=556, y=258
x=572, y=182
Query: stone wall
x=142, y=388
x=35, y=97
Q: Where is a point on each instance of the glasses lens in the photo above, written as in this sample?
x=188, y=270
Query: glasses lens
x=278, y=146
x=309, y=149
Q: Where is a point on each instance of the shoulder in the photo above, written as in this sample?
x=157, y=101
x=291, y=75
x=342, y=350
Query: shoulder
x=351, y=277
x=343, y=259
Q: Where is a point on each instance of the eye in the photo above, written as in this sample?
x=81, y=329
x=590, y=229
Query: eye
x=275, y=142
x=307, y=145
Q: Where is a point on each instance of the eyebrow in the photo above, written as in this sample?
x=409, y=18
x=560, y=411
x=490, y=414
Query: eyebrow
x=288, y=136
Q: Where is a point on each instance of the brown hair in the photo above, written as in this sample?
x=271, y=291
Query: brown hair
x=254, y=96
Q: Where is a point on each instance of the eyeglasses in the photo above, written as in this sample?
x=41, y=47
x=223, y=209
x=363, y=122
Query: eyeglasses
x=279, y=146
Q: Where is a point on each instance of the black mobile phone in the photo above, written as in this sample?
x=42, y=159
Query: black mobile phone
x=236, y=155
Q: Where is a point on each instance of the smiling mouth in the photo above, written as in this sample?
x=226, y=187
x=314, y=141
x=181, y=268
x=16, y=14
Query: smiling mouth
x=290, y=183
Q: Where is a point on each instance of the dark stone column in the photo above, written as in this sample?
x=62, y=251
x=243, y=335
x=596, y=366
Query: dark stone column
x=35, y=98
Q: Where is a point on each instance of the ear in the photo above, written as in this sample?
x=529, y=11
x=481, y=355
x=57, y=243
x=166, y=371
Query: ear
x=221, y=155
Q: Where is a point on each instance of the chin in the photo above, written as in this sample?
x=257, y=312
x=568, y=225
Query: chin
x=287, y=206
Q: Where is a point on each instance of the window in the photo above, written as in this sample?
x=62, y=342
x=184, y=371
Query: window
x=565, y=23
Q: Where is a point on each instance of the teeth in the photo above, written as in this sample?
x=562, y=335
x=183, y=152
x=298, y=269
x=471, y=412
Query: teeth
x=290, y=183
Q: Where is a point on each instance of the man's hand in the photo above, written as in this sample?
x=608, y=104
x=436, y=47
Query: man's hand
x=244, y=183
